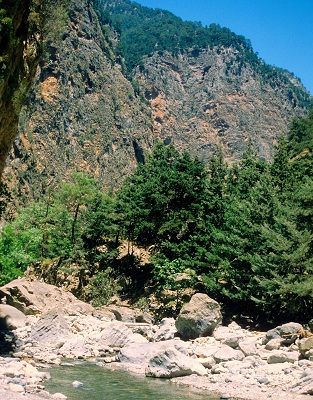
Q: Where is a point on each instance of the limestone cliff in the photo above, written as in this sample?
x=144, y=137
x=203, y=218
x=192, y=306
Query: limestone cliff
x=208, y=98
x=85, y=113
x=82, y=113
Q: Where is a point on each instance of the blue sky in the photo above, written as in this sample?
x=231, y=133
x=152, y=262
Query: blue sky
x=281, y=31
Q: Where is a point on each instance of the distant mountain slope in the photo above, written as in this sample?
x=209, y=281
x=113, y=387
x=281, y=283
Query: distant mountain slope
x=110, y=90
x=144, y=30
x=205, y=84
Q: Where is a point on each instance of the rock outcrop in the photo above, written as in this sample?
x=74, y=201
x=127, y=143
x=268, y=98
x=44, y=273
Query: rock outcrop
x=82, y=112
x=20, y=53
x=204, y=99
x=199, y=317
x=38, y=297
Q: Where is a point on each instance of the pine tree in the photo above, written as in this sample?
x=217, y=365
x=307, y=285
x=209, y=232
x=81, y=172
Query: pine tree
x=161, y=203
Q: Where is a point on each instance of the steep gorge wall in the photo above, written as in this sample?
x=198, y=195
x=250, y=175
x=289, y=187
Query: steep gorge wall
x=19, y=56
x=84, y=114
x=208, y=98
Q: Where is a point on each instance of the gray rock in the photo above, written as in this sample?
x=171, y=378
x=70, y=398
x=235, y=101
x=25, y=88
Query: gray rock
x=172, y=363
x=166, y=331
x=117, y=334
x=16, y=388
x=50, y=329
x=219, y=369
x=11, y=318
x=77, y=384
x=263, y=380
x=233, y=340
x=199, y=317
x=207, y=362
x=305, y=345
x=39, y=297
x=287, y=332
x=141, y=353
x=226, y=353
x=283, y=356
x=125, y=314
x=248, y=347
x=274, y=344
x=75, y=347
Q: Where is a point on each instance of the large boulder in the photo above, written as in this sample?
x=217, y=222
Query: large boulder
x=199, y=317
x=142, y=353
x=117, y=334
x=51, y=329
x=171, y=363
x=39, y=297
x=11, y=318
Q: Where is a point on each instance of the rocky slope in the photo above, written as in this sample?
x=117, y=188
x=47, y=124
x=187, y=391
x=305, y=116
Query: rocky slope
x=82, y=113
x=209, y=97
x=85, y=114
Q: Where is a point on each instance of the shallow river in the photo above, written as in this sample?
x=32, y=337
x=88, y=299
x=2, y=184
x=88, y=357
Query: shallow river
x=103, y=384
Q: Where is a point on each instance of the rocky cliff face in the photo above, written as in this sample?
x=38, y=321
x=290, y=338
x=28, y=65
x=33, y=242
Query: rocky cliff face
x=208, y=98
x=19, y=56
x=84, y=114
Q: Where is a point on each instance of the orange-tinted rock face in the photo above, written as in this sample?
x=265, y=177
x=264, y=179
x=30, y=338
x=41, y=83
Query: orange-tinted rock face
x=83, y=112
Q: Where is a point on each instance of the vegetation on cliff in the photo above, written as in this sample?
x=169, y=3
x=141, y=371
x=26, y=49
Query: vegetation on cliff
x=26, y=29
x=144, y=30
x=241, y=233
x=85, y=112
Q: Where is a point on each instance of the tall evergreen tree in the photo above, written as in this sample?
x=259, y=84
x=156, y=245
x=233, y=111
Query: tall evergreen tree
x=161, y=203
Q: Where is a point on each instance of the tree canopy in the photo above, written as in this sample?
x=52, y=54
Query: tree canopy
x=243, y=233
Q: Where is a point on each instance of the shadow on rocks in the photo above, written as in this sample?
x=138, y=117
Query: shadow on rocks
x=10, y=319
x=7, y=340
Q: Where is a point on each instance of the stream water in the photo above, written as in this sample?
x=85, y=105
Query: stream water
x=103, y=384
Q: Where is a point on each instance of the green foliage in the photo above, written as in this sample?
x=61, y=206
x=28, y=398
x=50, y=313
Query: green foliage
x=4, y=197
x=165, y=274
x=246, y=229
x=18, y=248
x=66, y=224
x=161, y=202
x=144, y=31
x=48, y=20
x=283, y=269
x=103, y=287
x=300, y=136
x=75, y=196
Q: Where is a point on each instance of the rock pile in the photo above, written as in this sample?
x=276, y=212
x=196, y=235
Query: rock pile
x=232, y=360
